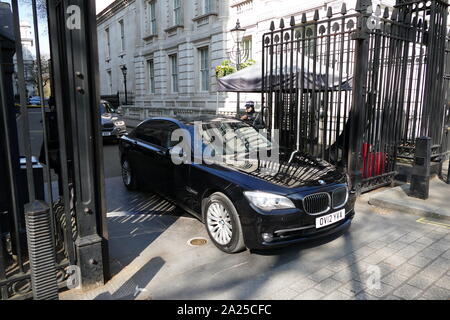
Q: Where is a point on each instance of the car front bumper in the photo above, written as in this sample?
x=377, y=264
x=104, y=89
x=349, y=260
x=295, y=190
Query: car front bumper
x=116, y=132
x=286, y=227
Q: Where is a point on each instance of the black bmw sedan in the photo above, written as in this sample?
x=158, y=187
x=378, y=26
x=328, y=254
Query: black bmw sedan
x=245, y=201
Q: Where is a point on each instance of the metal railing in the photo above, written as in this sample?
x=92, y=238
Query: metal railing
x=357, y=88
x=52, y=209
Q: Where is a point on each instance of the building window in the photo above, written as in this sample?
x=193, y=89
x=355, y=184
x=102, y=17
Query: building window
x=151, y=75
x=122, y=35
x=247, y=46
x=151, y=14
x=208, y=6
x=108, y=43
x=177, y=12
x=204, y=68
x=174, y=72
x=110, y=88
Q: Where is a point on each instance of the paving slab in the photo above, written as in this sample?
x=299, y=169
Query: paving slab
x=398, y=199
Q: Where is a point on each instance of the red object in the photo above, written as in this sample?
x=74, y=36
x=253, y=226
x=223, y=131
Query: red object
x=373, y=163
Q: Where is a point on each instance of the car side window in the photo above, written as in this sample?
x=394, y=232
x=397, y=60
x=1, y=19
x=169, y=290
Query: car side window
x=156, y=132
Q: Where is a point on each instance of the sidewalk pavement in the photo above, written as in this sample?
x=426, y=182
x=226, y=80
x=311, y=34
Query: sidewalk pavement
x=151, y=258
x=436, y=207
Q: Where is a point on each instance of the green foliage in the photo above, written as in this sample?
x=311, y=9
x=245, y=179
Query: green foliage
x=226, y=68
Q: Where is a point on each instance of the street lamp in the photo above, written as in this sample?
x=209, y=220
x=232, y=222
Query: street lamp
x=237, y=54
x=124, y=72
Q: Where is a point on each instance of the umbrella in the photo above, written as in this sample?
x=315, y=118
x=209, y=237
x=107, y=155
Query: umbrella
x=250, y=78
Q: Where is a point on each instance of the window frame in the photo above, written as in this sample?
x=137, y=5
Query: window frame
x=174, y=76
x=151, y=16
x=177, y=14
x=207, y=6
x=108, y=42
x=122, y=34
x=204, y=69
x=151, y=75
x=248, y=40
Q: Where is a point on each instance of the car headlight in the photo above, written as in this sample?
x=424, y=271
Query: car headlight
x=119, y=123
x=268, y=201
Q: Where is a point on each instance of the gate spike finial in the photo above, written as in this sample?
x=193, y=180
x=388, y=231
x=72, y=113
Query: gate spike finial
x=329, y=12
x=408, y=17
x=292, y=23
x=272, y=26
x=362, y=5
x=386, y=13
x=316, y=15
x=282, y=23
x=304, y=17
x=378, y=11
x=344, y=8
x=394, y=15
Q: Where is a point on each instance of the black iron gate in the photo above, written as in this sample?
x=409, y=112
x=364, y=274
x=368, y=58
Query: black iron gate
x=52, y=204
x=356, y=88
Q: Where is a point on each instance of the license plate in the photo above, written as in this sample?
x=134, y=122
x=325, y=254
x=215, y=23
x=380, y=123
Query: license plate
x=330, y=219
x=106, y=134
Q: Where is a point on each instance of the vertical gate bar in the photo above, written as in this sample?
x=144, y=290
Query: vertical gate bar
x=3, y=262
x=23, y=104
x=332, y=92
x=341, y=67
x=294, y=104
x=429, y=80
x=420, y=84
x=303, y=101
x=90, y=203
x=44, y=121
x=313, y=44
x=14, y=193
x=271, y=75
x=359, y=93
x=411, y=76
x=404, y=53
x=263, y=80
x=326, y=92
x=55, y=16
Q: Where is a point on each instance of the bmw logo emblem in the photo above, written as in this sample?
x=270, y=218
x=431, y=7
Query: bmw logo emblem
x=322, y=182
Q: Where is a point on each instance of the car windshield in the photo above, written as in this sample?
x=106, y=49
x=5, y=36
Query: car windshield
x=105, y=108
x=233, y=137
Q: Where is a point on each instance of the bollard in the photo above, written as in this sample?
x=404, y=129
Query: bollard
x=420, y=179
x=41, y=251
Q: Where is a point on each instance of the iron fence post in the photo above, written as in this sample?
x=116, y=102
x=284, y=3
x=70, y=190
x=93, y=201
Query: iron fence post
x=361, y=38
x=77, y=103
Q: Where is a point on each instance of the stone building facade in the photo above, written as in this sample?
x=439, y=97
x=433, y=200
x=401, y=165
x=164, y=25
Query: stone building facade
x=175, y=46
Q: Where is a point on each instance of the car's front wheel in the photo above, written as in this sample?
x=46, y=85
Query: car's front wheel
x=223, y=224
x=128, y=176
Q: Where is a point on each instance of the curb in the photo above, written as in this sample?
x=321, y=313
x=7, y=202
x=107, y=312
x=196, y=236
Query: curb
x=410, y=208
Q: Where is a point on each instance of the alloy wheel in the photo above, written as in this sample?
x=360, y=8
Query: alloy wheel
x=219, y=223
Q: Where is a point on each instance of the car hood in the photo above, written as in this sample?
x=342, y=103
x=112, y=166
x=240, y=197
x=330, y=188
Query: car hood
x=282, y=177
